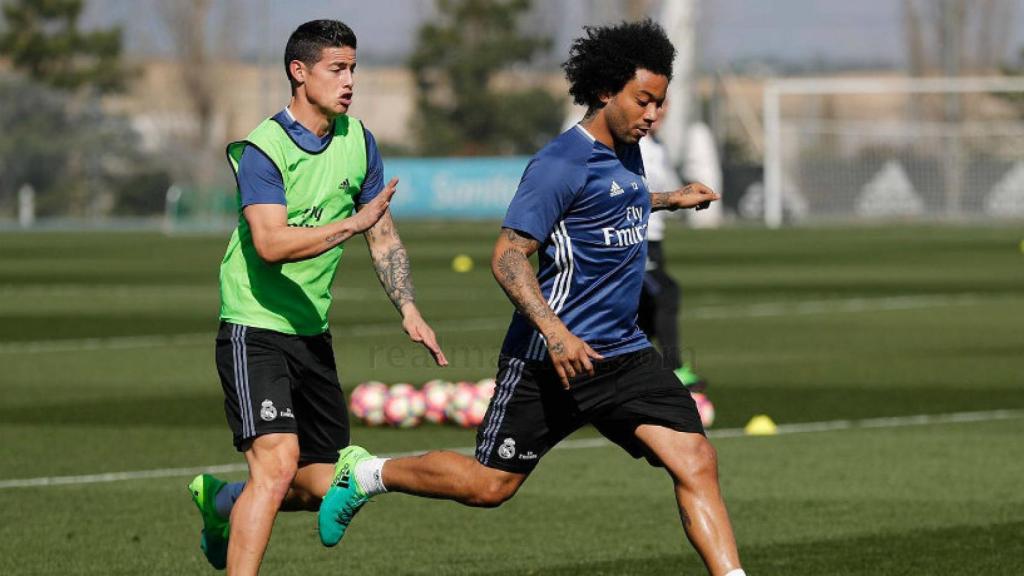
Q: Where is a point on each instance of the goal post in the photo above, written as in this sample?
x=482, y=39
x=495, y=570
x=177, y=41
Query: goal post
x=864, y=149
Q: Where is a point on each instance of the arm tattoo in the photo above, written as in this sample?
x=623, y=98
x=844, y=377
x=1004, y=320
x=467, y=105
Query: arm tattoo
x=391, y=262
x=660, y=201
x=520, y=241
x=394, y=273
x=556, y=346
x=515, y=275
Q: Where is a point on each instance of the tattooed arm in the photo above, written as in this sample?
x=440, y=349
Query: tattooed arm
x=276, y=242
x=391, y=262
x=511, y=266
x=694, y=195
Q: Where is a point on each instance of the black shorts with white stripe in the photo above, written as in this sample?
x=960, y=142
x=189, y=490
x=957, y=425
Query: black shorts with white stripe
x=282, y=383
x=530, y=412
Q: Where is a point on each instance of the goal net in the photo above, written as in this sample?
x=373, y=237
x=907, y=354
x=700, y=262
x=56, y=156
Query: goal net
x=891, y=149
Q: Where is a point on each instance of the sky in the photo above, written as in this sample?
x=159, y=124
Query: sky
x=729, y=32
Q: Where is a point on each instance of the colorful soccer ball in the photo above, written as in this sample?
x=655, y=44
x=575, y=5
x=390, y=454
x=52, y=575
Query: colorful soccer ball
x=367, y=402
x=404, y=406
x=486, y=388
x=459, y=403
x=476, y=411
x=705, y=408
x=401, y=389
x=436, y=394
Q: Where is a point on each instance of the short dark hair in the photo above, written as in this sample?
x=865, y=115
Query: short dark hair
x=310, y=39
x=607, y=57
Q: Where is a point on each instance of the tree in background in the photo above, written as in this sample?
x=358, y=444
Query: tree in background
x=463, y=107
x=204, y=36
x=42, y=39
x=55, y=133
x=82, y=163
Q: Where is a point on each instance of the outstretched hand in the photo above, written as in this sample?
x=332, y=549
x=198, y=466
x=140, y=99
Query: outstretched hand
x=419, y=331
x=694, y=195
x=375, y=209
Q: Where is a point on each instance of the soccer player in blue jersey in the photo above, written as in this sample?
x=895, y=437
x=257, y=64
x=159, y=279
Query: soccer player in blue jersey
x=573, y=354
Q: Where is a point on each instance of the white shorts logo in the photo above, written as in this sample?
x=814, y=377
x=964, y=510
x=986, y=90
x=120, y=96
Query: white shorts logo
x=268, y=412
x=507, y=448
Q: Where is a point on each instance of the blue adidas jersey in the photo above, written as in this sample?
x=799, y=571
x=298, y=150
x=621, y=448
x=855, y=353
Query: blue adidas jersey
x=589, y=208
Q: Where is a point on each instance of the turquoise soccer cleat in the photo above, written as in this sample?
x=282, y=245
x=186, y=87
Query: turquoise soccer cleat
x=214, y=537
x=344, y=498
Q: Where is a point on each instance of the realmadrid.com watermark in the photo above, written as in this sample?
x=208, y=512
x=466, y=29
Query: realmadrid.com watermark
x=405, y=356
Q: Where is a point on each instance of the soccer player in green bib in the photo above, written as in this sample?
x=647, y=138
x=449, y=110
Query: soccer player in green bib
x=302, y=175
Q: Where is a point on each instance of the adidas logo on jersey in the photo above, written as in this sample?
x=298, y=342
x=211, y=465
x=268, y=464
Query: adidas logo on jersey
x=616, y=189
x=344, y=184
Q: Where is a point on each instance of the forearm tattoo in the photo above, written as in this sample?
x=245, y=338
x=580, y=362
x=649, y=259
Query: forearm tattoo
x=394, y=272
x=391, y=262
x=516, y=277
x=661, y=200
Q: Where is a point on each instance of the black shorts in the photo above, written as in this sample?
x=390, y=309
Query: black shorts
x=531, y=412
x=276, y=382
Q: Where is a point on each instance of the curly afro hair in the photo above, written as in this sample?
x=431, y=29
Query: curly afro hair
x=604, y=60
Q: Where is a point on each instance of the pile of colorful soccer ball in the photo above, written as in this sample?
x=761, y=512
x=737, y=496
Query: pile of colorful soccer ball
x=404, y=406
x=439, y=402
x=705, y=408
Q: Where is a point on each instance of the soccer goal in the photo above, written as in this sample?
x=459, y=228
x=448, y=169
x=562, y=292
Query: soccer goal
x=855, y=149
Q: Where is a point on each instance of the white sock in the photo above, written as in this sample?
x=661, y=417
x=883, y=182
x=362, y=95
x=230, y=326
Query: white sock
x=368, y=475
x=737, y=572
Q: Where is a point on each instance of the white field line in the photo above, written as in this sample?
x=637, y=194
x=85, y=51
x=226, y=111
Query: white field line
x=762, y=310
x=769, y=309
x=582, y=443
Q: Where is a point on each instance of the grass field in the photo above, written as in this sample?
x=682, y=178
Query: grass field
x=107, y=366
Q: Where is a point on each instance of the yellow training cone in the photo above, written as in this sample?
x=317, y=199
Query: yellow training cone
x=760, y=425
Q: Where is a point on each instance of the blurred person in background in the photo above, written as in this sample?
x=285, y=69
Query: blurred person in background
x=660, y=298
x=301, y=175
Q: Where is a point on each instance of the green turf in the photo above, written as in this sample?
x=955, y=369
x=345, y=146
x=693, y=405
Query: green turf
x=802, y=324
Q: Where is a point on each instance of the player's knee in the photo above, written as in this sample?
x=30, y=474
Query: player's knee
x=274, y=471
x=493, y=494
x=697, y=462
x=493, y=491
x=278, y=479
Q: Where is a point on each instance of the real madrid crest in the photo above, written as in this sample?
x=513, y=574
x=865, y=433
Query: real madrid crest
x=507, y=448
x=267, y=410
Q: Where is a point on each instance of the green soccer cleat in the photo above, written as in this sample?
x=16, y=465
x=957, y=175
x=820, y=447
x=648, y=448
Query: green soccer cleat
x=214, y=537
x=344, y=498
x=690, y=379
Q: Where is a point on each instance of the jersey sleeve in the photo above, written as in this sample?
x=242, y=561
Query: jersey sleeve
x=545, y=193
x=259, y=180
x=374, y=181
